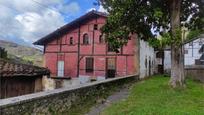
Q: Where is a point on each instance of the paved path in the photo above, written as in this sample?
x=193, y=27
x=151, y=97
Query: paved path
x=117, y=96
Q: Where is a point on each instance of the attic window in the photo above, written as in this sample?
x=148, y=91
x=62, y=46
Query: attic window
x=101, y=39
x=71, y=42
x=85, y=39
x=110, y=48
x=95, y=26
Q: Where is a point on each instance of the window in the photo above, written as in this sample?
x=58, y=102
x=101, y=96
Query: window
x=71, y=41
x=111, y=64
x=110, y=48
x=146, y=62
x=185, y=51
x=95, y=27
x=201, y=50
x=191, y=44
x=101, y=39
x=89, y=64
x=85, y=39
x=200, y=42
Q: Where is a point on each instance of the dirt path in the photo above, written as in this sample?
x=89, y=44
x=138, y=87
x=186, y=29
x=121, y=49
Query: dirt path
x=117, y=96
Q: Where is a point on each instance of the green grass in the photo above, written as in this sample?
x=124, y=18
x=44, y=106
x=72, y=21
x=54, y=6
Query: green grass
x=155, y=97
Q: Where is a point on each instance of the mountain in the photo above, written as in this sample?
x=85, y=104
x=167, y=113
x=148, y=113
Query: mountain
x=22, y=54
x=15, y=40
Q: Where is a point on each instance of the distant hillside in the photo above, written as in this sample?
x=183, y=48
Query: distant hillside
x=23, y=54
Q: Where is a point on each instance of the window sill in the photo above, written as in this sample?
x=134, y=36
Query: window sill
x=72, y=44
x=89, y=72
x=68, y=78
x=101, y=43
x=85, y=44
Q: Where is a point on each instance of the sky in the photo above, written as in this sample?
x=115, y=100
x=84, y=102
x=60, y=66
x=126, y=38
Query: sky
x=25, y=21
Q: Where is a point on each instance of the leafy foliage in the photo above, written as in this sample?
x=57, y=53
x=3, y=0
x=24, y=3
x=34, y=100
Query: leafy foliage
x=146, y=17
x=165, y=40
x=194, y=33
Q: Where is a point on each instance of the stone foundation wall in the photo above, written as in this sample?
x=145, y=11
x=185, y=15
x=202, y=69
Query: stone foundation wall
x=195, y=72
x=62, y=100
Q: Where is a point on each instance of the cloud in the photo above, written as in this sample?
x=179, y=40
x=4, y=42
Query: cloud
x=101, y=9
x=32, y=19
x=91, y=9
x=35, y=26
x=73, y=7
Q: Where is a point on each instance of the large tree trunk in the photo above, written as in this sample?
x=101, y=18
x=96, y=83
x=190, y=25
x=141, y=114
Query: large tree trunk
x=177, y=57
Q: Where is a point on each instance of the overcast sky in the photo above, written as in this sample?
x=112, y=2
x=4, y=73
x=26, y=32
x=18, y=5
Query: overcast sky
x=25, y=21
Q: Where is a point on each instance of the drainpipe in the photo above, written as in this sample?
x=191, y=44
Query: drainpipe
x=78, y=61
x=138, y=53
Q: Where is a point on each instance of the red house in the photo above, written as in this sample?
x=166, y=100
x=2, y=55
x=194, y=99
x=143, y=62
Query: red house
x=78, y=48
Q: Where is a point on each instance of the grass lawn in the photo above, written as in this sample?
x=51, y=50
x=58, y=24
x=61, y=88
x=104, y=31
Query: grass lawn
x=155, y=97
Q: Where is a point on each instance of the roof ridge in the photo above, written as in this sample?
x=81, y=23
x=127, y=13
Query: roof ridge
x=69, y=25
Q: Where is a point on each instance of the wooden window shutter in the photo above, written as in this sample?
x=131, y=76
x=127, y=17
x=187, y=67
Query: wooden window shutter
x=89, y=64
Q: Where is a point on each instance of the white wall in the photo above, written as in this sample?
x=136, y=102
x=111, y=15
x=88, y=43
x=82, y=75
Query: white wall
x=146, y=53
x=192, y=51
x=189, y=58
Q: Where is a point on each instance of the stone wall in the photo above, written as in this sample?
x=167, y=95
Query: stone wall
x=62, y=100
x=195, y=72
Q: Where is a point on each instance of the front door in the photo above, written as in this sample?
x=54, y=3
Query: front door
x=60, y=68
x=110, y=67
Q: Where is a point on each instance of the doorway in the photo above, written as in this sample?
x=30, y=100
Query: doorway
x=60, y=69
x=110, y=67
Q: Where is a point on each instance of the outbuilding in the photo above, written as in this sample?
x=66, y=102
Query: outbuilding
x=19, y=79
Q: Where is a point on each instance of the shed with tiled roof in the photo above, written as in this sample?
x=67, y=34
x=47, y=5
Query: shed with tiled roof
x=19, y=79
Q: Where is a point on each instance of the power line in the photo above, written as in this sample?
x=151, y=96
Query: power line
x=17, y=11
x=45, y=6
x=38, y=3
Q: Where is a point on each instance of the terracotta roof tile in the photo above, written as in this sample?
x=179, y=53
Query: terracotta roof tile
x=10, y=69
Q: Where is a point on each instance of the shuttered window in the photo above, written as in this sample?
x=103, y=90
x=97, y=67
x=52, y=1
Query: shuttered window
x=111, y=64
x=89, y=64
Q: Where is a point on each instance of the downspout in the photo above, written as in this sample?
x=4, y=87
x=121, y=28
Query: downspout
x=78, y=61
x=44, y=49
x=138, y=54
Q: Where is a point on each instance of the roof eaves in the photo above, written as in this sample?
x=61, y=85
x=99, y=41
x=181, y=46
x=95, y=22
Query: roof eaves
x=200, y=36
x=76, y=21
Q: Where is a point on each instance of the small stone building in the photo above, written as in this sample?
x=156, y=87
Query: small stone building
x=19, y=79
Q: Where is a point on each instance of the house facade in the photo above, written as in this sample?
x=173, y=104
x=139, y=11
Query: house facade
x=79, y=49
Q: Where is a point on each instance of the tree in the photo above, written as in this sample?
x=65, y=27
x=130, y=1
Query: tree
x=3, y=53
x=165, y=17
